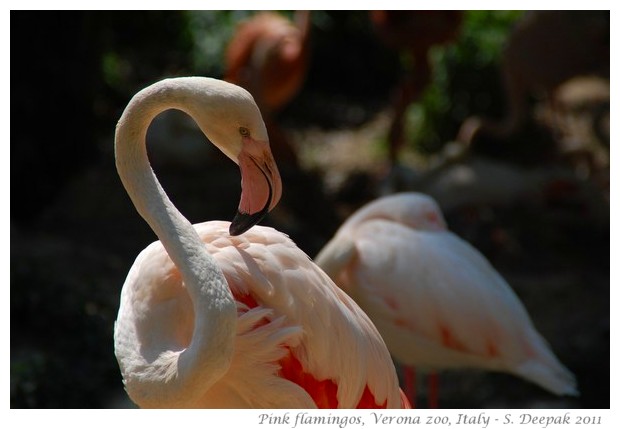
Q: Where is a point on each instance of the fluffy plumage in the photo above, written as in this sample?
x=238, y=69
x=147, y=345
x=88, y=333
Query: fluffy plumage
x=287, y=309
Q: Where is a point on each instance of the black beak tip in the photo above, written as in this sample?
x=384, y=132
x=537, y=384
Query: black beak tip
x=243, y=221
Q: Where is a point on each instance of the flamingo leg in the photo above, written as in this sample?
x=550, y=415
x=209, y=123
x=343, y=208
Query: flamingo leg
x=410, y=382
x=433, y=390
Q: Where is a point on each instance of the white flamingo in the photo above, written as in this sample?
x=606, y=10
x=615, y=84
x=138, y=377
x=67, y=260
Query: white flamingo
x=210, y=318
x=435, y=299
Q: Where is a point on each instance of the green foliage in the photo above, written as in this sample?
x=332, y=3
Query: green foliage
x=210, y=32
x=115, y=68
x=483, y=35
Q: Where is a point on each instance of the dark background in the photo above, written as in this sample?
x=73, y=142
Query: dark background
x=74, y=232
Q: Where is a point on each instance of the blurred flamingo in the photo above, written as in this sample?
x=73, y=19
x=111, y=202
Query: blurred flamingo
x=268, y=55
x=545, y=49
x=436, y=300
x=212, y=318
x=412, y=32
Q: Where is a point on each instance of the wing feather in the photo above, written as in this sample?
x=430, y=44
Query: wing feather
x=440, y=289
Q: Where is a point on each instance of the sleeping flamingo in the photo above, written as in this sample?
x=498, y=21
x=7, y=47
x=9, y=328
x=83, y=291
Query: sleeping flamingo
x=436, y=300
x=212, y=318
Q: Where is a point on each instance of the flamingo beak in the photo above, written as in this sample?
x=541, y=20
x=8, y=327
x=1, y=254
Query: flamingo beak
x=261, y=186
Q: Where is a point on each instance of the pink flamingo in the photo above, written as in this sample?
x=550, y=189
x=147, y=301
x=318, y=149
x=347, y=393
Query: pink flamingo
x=212, y=318
x=436, y=300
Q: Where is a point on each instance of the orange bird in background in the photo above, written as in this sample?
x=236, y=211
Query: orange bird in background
x=268, y=55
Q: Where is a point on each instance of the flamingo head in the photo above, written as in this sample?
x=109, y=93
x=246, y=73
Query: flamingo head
x=261, y=186
x=233, y=123
x=420, y=212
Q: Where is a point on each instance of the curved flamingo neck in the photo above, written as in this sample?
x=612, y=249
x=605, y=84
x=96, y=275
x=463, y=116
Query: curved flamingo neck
x=140, y=181
x=210, y=352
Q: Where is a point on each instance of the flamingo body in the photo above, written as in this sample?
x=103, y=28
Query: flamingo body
x=294, y=327
x=436, y=300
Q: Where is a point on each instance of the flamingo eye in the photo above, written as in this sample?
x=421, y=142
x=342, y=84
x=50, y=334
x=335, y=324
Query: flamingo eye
x=244, y=132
